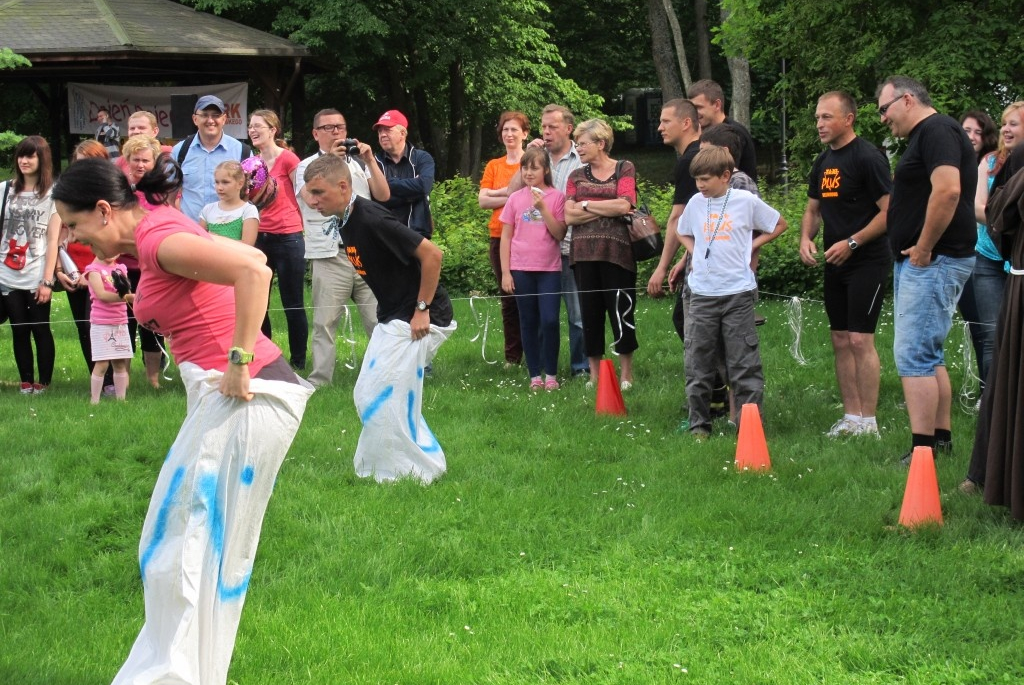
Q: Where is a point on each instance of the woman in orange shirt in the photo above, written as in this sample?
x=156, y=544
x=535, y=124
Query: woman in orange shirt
x=513, y=130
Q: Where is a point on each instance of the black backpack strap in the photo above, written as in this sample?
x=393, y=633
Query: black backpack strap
x=183, y=150
x=3, y=204
x=246, y=152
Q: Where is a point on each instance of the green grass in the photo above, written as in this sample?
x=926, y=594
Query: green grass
x=561, y=547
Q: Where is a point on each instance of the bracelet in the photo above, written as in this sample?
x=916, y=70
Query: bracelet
x=48, y=284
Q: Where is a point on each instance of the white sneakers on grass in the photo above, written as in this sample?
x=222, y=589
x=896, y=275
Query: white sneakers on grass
x=853, y=425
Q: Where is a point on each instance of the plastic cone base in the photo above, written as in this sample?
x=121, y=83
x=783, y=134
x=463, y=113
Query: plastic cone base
x=751, y=447
x=609, y=396
x=921, y=499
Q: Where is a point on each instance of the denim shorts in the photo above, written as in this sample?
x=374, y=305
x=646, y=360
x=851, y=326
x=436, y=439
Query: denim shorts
x=925, y=299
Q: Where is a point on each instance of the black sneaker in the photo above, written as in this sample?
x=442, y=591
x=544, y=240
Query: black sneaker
x=906, y=458
x=944, y=447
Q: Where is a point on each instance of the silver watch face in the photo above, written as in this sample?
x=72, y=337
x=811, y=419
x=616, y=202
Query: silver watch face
x=421, y=306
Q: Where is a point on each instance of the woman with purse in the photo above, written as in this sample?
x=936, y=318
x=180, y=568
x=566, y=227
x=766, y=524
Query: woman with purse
x=598, y=195
x=28, y=257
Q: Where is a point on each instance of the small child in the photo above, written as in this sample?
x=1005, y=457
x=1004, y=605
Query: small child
x=717, y=228
x=532, y=228
x=232, y=216
x=108, y=326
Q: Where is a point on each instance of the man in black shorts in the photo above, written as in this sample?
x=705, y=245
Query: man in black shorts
x=848, y=188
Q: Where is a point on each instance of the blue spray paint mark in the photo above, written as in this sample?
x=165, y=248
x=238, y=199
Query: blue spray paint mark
x=411, y=405
x=373, y=363
x=160, y=529
x=433, y=445
x=377, y=403
x=248, y=474
x=228, y=594
x=419, y=372
x=208, y=496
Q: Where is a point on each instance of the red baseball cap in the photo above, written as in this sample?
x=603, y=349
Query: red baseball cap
x=390, y=118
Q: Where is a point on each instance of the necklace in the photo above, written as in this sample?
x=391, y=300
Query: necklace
x=718, y=227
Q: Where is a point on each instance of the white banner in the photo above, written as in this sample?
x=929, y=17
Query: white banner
x=84, y=99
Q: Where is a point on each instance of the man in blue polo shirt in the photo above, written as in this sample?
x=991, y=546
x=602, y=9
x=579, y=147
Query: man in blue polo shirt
x=205, y=150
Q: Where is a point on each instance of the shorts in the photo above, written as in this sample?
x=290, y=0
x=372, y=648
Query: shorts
x=110, y=341
x=854, y=295
x=925, y=299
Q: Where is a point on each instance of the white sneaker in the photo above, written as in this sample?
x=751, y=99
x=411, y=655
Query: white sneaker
x=842, y=428
x=869, y=429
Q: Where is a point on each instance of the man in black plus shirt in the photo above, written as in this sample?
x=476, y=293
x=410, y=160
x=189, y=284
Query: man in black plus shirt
x=932, y=233
x=680, y=129
x=848, y=188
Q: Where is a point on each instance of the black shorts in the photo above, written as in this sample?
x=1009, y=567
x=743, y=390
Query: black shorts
x=854, y=295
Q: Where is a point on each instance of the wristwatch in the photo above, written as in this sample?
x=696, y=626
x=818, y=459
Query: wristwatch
x=585, y=205
x=238, y=356
x=852, y=243
x=422, y=306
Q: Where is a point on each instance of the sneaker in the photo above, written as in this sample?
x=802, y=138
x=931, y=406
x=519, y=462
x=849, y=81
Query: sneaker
x=700, y=434
x=26, y=388
x=943, y=447
x=551, y=384
x=536, y=383
x=969, y=487
x=759, y=319
x=684, y=426
x=869, y=429
x=843, y=428
x=625, y=385
x=39, y=388
x=109, y=391
x=906, y=458
x=579, y=373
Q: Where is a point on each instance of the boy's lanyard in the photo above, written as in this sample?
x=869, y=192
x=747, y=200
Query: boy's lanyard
x=718, y=227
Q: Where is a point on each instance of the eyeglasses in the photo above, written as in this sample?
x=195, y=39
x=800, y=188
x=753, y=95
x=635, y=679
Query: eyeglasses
x=883, y=109
x=332, y=128
x=253, y=127
x=585, y=143
x=212, y=116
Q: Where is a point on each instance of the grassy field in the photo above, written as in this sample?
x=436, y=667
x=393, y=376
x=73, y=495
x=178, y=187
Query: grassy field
x=561, y=547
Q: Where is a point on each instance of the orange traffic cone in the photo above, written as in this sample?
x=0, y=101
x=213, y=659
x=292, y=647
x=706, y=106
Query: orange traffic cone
x=921, y=498
x=751, y=447
x=609, y=397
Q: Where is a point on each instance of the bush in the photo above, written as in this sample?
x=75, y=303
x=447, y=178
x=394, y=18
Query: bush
x=780, y=270
x=460, y=230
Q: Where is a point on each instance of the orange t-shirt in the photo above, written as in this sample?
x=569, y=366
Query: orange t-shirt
x=497, y=174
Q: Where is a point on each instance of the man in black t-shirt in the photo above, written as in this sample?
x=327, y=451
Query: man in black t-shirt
x=680, y=129
x=709, y=99
x=401, y=267
x=848, y=188
x=932, y=233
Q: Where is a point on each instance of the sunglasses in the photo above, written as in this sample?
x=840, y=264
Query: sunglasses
x=885, y=108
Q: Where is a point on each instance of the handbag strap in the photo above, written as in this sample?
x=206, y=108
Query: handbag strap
x=3, y=205
x=618, y=166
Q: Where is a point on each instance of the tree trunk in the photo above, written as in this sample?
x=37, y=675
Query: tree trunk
x=677, y=41
x=739, y=72
x=661, y=49
x=457, y=138
x=700, y=17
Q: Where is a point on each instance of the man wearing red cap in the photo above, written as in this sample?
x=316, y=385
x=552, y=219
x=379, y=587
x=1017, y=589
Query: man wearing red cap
x=409, y=172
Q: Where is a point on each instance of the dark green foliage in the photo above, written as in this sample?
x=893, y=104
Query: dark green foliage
x=460, y=229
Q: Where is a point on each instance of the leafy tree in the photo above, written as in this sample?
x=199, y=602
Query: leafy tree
x=8, y=139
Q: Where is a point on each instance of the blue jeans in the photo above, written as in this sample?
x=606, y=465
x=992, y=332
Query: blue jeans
x=925, y=298
x=286, y=257
x=539, y=305
x=577, y=355
x=979, y=305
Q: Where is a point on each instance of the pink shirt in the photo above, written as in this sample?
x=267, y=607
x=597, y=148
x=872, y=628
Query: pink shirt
x=100, y=312
x=197, y=318
x=282, y=215
x=533, y=247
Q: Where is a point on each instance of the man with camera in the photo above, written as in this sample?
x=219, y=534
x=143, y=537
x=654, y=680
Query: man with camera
x=335, y=281
x=409, y=172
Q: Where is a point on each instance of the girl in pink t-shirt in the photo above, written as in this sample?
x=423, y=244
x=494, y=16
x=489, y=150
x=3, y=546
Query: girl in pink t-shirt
x=533, y=225
x=108, y=326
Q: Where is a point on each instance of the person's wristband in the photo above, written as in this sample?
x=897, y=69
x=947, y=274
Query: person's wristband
x=48, y=284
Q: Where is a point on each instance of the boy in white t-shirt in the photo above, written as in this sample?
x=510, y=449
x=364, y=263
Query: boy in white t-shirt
x=717, y=228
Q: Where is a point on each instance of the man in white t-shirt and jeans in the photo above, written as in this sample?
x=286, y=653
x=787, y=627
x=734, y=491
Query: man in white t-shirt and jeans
x=335, y=281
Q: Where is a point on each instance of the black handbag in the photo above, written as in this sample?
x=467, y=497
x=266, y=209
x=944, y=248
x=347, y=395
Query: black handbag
x=644, y=232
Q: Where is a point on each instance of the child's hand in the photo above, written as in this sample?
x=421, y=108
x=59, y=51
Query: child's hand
x=538, y=196
x=507, y=284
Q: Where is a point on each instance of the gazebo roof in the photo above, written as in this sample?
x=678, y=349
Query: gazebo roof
x=133, y=38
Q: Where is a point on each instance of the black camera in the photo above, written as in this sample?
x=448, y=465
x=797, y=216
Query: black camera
x=351, y=146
